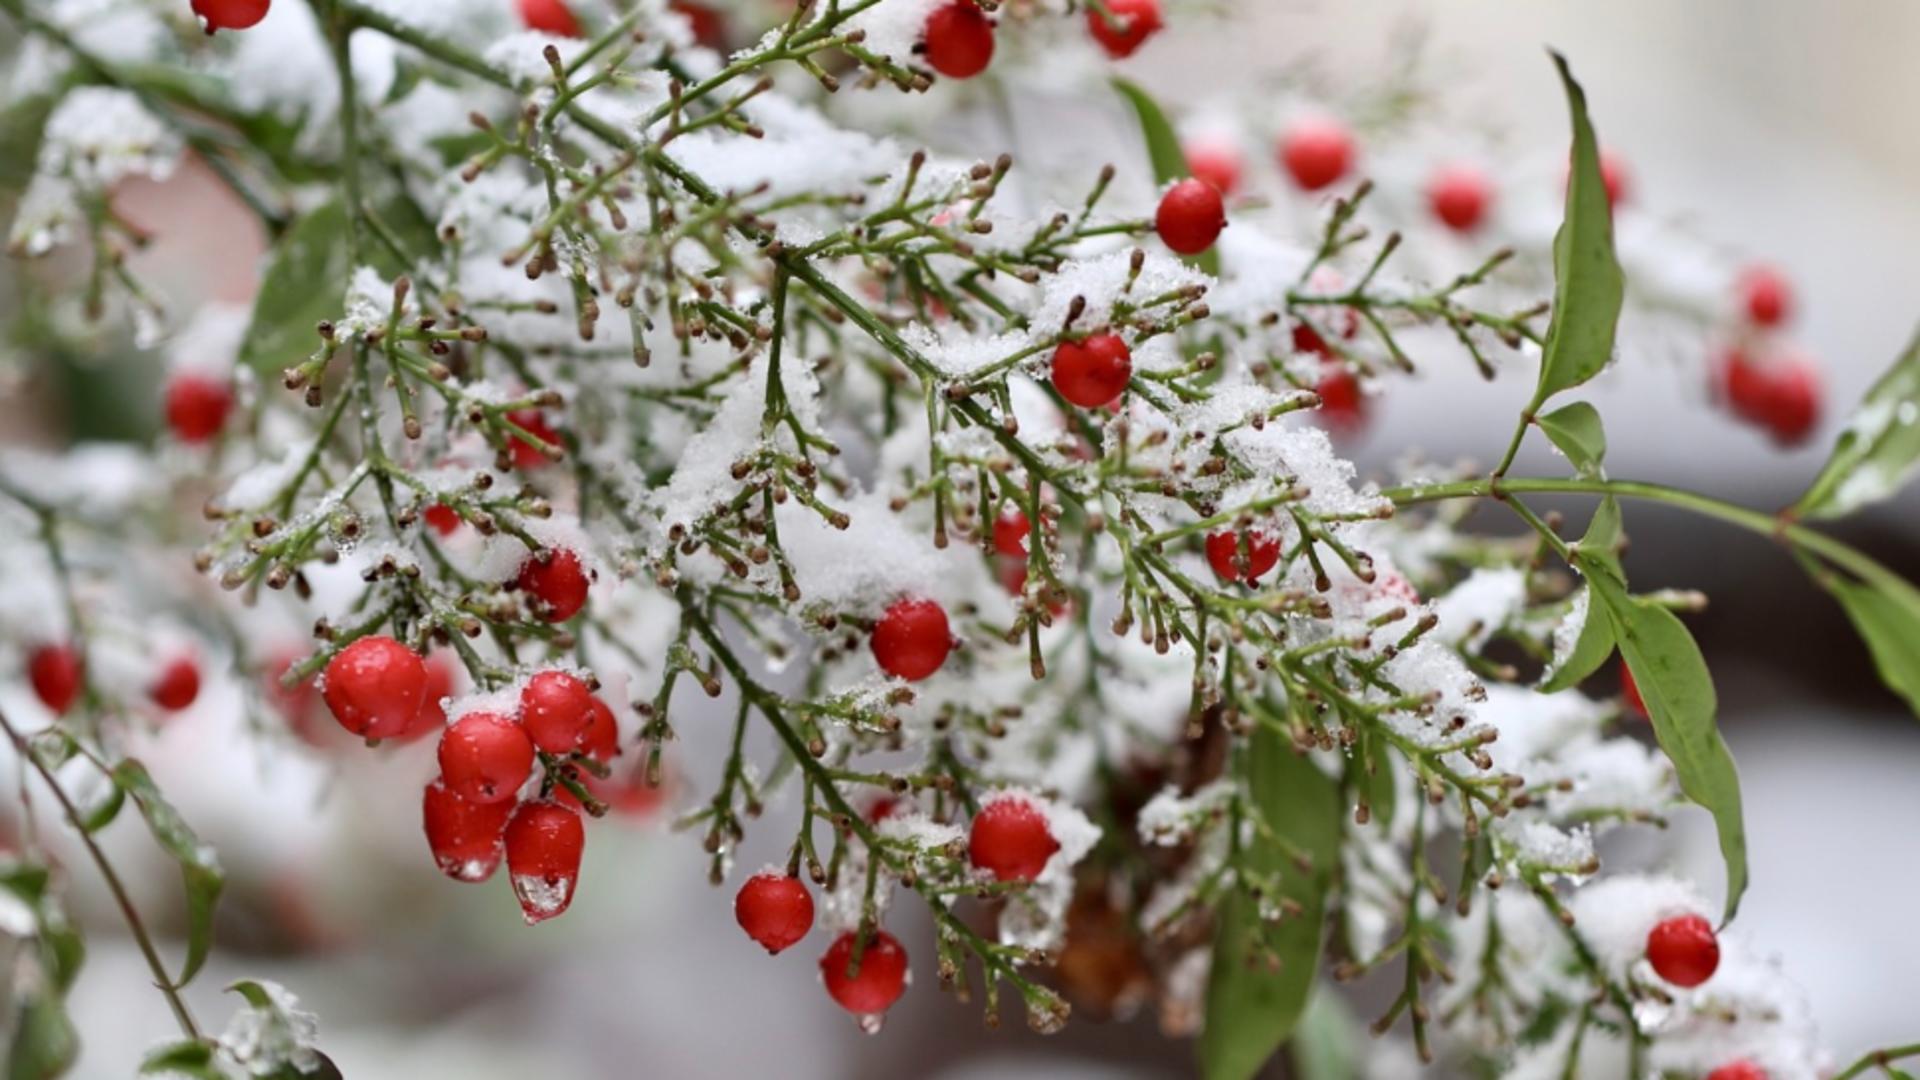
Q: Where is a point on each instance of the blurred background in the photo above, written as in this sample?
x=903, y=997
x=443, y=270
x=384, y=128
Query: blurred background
x=1773, y=127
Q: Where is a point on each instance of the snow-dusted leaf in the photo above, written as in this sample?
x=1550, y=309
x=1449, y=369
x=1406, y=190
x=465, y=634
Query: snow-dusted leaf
x=187, y=1058
x=1163, y=150
x=1577, y=431
x=1879, y=450
x=1887, y=617
x=1588, y=286
x=46, y=953
x=294, y=296
x=198, y=867
x=1674, y=683
x=273, y=1037
x=1251, y=1007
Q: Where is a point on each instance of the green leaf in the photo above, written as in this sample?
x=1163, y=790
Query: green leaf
x=1674, y=682
x=304, y=284
x=1590, y=650
x=41, y=1042
x=1880, y=449
x=1888, y=619
x=1576, y=430
x=1326, y=1044
x=1588, y=287
x=198, y=867
x=21, y=125
x=1252, y=1008
x=187, y=1058
x=101, y=814
x=1163, y=150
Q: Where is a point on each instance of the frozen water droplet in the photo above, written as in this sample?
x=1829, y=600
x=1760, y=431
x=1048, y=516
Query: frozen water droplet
x=469, y=870
x=870, y=1023
x=542, y=897
x=1650, y=1015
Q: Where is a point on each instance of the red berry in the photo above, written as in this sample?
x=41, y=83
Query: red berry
x=1010, y=531
x=912, y=639
x=464, y=836
x=294, y=702
x=1191, y=216
x=1766, y=295
x=1630, y=691
x=880, y=980
x=485, y=758
x=1316, y=152
x=1343, y=407
x=709, y=26
x=556, y=582
x=55, y=672
x=1683, y=950
x=375, y=687
x=1738, y=1070
x=1793, y=402
x=433, y=710
x=549, y=16
x=959, y=40
x=1459, y=195
x=1133, y=22
x=527, y=455
x=774, y=909
x=1744, y=384
x=442, y=518
x=1013, y=578
x=1010, y=840
x=556, y=709
x=1614, y=177
x=178, y=685
x=1216, y=164
x=1093, y=372
x=601, y=742
x=544, y=841
x=197, y=405
x=1224, y=554
x=230, y=14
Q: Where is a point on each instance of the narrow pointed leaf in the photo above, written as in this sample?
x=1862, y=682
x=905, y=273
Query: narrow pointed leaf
x=1251, y=1008
x=1879, y=450
x=198, y=867
x=1588, y=286
x=1577, y=431
x=1888, y=620
x=1678, y=691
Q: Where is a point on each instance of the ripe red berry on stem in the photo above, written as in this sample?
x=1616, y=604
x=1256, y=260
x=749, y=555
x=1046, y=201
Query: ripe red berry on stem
x=556, y=582
x=1343, y=406
x=442, y=518
x=485, y=758
x=465, y=837
x=55, y=672
x=1459, y=196
x=1224, y=554
x=527, y=455
x=879, y=982
x=230, y=14
x=774, y=909
x=433, y=713
x=555, y=710
x=197, y=406
x=1093, y=372
x=1133, y=22
x=544, y=841
x=1316, y=152
x=177, y=686
x=1738, y=1070
x=1010, y=531
x=1190, y=217
x=1766, y=295
x=549, y=16
x=1683, y=950
x=375, y=687
x=1792, y=409
x=1217, y=164
x=601, y=741
x=959, y=40
x=1010, y=840
x=912, y=639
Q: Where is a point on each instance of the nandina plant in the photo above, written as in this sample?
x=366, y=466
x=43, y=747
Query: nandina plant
x=620, y=375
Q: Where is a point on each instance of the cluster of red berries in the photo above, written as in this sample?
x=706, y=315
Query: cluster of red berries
x=957, y=40
x=58, y=674
x=1009, y=840
x=1763, y=382
x=1684, y=951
